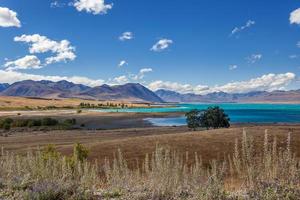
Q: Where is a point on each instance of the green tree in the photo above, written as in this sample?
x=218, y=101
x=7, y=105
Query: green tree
x=214, y=117
x=193, y=119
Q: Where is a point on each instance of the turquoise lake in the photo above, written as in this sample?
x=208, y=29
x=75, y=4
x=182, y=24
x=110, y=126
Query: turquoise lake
x=238, y=113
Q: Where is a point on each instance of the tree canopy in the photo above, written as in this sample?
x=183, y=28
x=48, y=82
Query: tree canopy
x=213, y=117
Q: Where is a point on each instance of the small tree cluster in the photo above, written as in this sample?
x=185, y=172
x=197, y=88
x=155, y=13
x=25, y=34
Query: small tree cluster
x=213, y=117
x=8, y=123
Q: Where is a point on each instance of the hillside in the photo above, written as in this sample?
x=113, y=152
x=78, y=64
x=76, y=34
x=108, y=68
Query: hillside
x=133, y=92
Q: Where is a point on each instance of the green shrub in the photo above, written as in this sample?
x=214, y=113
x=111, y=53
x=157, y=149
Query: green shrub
x=213, y=117
x=80, y=152
x=193, y=119
x=6, y=126
x=70, y=122
x=49, y=122
x=49, y=152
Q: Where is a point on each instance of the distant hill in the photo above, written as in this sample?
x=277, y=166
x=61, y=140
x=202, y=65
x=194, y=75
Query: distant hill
x=63, y=89
x=129, y=91
x=3, y=86
x=222, y=97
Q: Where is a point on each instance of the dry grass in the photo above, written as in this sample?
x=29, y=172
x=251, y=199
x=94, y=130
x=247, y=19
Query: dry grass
x=267, y=171
x=20, y=103
x=135, y=143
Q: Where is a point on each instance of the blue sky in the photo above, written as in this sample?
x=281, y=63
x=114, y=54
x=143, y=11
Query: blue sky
x=201, y=45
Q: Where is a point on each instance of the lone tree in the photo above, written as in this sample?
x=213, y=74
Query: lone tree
x=193, y=119
x=213, y=117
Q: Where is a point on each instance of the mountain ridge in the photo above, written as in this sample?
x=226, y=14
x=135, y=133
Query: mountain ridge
x=136, y=92
x=63, y=89
x=223, y=97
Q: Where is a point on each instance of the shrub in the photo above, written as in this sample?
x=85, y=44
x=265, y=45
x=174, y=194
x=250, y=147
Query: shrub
x=49, y=122
x=6, y=126
x=45, y=175
x=5, y=121
x=193, y=119
x=214, y=117
x=80, y=152
x=49, y=153
x=70, y=122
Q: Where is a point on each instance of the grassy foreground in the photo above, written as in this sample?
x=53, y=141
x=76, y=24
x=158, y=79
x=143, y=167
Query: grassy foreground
x=271, y=172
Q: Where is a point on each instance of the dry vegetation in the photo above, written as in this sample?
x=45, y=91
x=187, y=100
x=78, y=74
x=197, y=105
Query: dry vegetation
x=22, y=103
x=250, y=171
x=137, y=164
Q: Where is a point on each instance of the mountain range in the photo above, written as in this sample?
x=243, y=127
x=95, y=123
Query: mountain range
x=135, y=92
x=222, y=97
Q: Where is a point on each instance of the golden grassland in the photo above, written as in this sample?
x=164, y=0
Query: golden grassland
x=23, y=103
x=136, y=142
x=256, y=162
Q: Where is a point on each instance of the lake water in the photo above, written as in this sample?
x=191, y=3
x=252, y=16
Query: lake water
x=238, y=113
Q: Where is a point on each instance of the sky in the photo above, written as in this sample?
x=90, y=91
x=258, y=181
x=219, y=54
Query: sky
x=197, y=46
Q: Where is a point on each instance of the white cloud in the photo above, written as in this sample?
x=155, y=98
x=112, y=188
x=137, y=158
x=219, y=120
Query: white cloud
x=268, y=82
x=248, y=24
x=141, y=74
x=8, y=18
x=254, y=58
x=161, y=45
x=177, y=87
x=41, y=44
x=57, y=4
x=126, y=36
x=27, y=62
x=293, y=56
x=122, y=63
x=120, y=80
x=13, y=76
x=92, y=6
x=295, y=17
x=233, y=67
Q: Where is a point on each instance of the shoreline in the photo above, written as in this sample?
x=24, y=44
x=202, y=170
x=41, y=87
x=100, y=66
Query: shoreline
x=116, y=120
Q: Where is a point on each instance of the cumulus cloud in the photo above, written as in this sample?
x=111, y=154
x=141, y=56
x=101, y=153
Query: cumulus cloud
x=233, y=67
x=8, y=18
x=177, y=87
x=120, y=80
x=254, y=58
x=248, y=24
x=295, y=16
x=122, y=63
x=27, y=62
x=268, y=82
x=161, y=45
x=126, y=36
x=92, y=6
x=13, y=76
x=62, y=50
x=141, y=74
